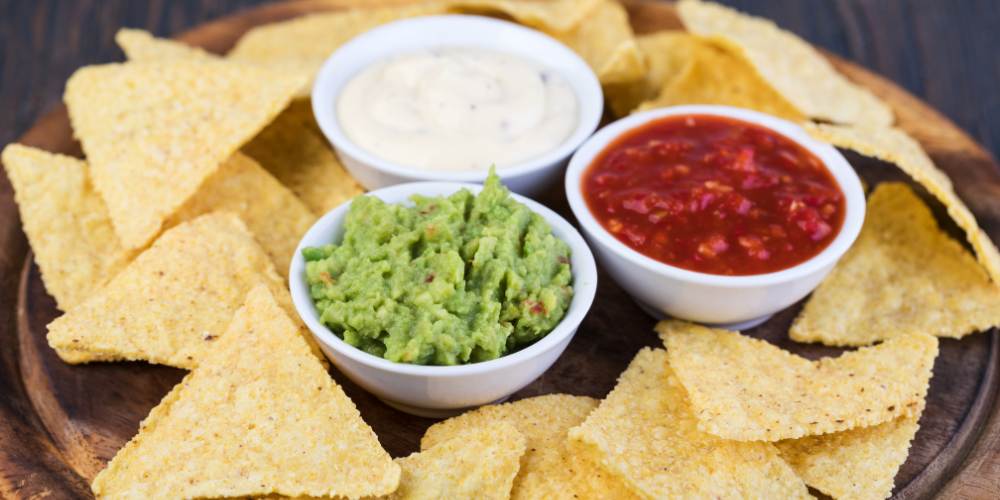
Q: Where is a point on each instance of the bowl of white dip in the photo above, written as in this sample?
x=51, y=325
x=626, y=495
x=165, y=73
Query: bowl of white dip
x=444, y=98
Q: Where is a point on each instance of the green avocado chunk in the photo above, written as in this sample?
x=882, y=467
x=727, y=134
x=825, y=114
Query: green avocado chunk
x=449, y=280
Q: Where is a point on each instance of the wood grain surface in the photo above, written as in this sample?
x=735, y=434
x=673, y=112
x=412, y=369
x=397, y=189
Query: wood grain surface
x=60, y=423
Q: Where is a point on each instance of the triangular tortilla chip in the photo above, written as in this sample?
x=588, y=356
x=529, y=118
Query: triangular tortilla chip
x=139, y=45
x=72, y=237
x=550, y=468
x=66, y=222
x=275, y=216
x=902, y=276
x=859, y=463
x=153, y=132
x=895, y=146
x=604, y=39
x=746, y=389
x=666, y=54
x=646, y=432
x=174, y=300
x=478, y=463
x=300, y=45
x=301, y=159
x=259, y=416
x=793, y=67
x=716, y=76
x=550, y=16
x=598, y=30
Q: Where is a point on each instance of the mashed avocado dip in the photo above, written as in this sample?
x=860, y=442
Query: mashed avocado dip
x=449, y=280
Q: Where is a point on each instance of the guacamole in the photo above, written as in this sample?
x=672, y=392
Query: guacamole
x=449, y=280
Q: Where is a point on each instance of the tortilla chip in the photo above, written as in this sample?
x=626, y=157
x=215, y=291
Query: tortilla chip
x=793, y=67
x=646, y=432
x=549, y=469
x=259, y=416
x=140, y=45
x=79, y=356
x=66, y=222
x=902, y=276
x=478, y=463
x=855, y=464
x=598, y=30
x=302, y=160
x=895, y=146
x=746, y=389
x=174, y=300
x=153, y=132
x=549, y=16
x=274, y=215
x=300, y=45
x=604, y=39
x=716, y=76
x=299, y=113
x=666, y=54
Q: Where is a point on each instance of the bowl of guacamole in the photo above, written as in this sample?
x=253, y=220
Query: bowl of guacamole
x=440, y=279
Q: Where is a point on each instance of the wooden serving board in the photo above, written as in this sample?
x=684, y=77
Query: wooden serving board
x=59, y=424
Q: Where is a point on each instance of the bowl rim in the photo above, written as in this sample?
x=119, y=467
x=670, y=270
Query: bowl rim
x=845, y=176
x=583, y=268
x=490, y=34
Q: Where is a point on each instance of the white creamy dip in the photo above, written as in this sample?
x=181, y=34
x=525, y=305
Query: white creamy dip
x=456, y=108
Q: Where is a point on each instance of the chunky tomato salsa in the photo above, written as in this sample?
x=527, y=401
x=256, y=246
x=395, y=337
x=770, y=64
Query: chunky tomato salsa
x=714, y=195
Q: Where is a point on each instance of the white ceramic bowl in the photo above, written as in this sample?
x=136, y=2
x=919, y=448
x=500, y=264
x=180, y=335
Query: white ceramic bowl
x=444, y=390
x=733, y=301
x=527, y=177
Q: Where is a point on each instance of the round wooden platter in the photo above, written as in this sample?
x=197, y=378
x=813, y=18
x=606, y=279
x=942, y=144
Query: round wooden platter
x=59, y=424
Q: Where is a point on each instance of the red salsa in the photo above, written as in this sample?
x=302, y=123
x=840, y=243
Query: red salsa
x=714, y=195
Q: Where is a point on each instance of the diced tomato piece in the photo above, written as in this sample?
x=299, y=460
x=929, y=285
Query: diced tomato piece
x=715, y=195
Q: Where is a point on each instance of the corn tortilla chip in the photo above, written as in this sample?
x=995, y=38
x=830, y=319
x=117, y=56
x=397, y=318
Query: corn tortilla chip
x=66, y=222
x=665, y=54
x=895, y=146
x=598, y=30
x=174, y=300
x=153, y=132
x=297, y=156
x=549, y=469
x=300, y=45
x=646, y=432
x=259, y=416
x=140, y=45
x=855, y=464
x=478, y=463
x=793, y=67
x=746, y=389
x=550, y=16
x=716, y=76
x=300, y=113
x=275, y=216
x=604, y=39
x=902, y=276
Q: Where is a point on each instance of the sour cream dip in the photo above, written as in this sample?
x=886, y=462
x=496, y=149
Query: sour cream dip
x=457, y=108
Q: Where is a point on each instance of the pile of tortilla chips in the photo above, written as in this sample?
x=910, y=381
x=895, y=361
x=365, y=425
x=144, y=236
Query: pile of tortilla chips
x=723, y=415
x=169, y=243
x=718, y=415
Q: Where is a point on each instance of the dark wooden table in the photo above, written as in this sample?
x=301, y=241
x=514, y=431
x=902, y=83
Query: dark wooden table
x=945, y=52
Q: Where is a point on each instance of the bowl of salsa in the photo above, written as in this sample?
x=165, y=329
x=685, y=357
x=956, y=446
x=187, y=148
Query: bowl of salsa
x=714, y=214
